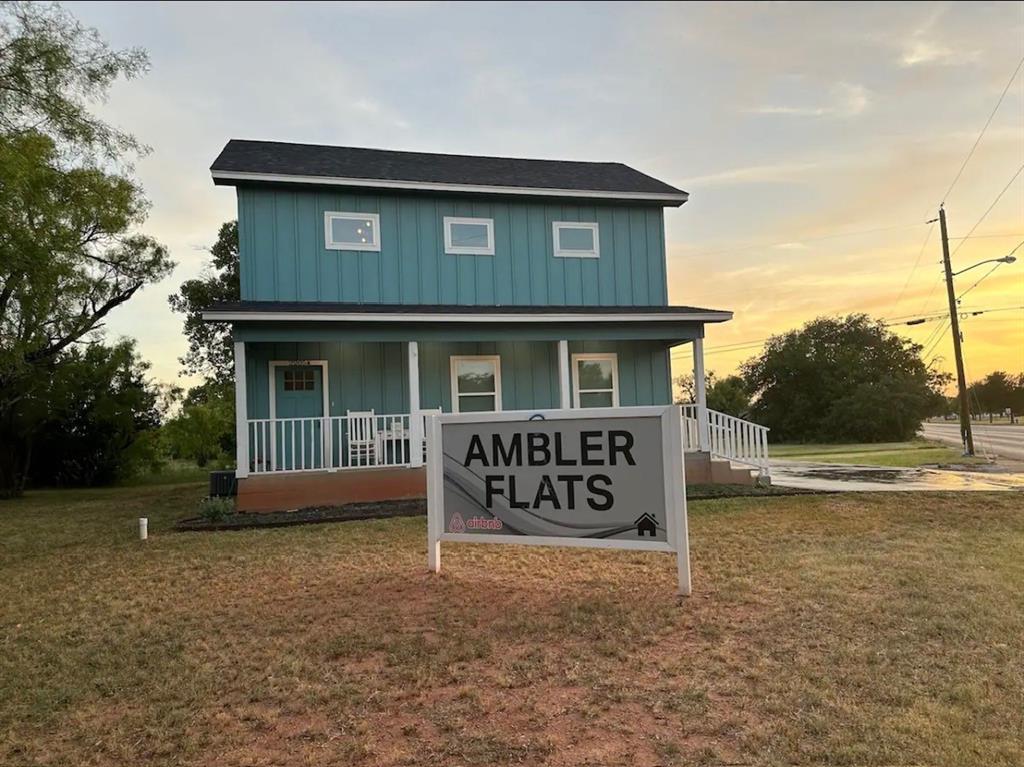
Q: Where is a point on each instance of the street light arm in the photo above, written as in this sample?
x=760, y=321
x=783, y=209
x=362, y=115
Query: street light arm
x=1003, y=260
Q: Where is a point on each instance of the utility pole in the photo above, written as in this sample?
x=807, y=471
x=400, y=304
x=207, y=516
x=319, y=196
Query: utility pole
x=954, y=318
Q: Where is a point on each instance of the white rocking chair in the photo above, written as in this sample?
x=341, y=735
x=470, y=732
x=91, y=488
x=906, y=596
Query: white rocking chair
x=361, y=433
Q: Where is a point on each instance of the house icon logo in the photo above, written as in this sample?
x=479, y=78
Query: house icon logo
x=646, y=525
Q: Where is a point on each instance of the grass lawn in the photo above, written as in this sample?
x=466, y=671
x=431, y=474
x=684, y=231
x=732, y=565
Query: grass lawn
x=915, y=453
x=177, y=471
x=824, y=629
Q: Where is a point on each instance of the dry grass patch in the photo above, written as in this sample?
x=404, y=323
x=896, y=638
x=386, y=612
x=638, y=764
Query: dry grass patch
x=854, y=629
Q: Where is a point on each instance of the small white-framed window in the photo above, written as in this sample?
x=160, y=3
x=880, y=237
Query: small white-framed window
x=468, y=236
x=351, y=231
x=595, y=380
x=574, y=239
x=302, y=379
x=476, y=384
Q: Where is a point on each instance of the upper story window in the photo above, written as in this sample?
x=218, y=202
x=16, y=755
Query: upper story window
x=469, y=236
x=352, y=231
x=595, y=380
x=576, y=240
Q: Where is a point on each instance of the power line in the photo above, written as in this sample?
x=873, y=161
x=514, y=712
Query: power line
x=938, y=338
x=989, y=210
x=985, y=128
x=964, y=314
x=989, y=272
x=802, y=240
x=917, y=261
x=931, y=292
x=685, y=351
x=976, y=284
x=1005, y=236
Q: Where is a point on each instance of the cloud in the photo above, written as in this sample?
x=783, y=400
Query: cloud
x=755, y=174
x=847, y=100
x=924, y=47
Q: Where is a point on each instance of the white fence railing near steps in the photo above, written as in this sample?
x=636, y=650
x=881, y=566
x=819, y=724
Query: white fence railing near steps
x=728, y=437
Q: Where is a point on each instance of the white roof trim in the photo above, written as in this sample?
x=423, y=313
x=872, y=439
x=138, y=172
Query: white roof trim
x=229, y=175
x=235, y=316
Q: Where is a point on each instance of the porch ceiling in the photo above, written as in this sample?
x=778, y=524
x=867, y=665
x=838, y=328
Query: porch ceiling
x=290, y=321
x=298, y=311
x=673, y=332
x=278, y=331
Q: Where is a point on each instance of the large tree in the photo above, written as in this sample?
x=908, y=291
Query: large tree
x=993, y=394
x=70, y=250
x=728, y=395
x=210, y=350
x=97, y=420
x=838, y=380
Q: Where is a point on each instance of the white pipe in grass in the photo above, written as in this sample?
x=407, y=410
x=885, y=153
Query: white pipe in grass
x=143, y=528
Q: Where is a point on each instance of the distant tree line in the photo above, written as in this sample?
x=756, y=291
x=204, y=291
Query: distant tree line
x=999, y=393
x=833, y=380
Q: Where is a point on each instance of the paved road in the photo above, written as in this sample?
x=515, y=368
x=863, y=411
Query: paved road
x=849, y=477
x=1005, y=441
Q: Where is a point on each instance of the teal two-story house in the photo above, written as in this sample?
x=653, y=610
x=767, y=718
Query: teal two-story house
x=377, y=286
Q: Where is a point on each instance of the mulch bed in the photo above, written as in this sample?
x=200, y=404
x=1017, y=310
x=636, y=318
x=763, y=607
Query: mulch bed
x=706, y=492
x=415, y=507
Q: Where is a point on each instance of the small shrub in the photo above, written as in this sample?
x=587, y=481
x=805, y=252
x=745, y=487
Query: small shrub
x=216, y=509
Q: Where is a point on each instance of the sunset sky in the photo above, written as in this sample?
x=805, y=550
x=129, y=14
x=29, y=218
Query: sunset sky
x=815, y=140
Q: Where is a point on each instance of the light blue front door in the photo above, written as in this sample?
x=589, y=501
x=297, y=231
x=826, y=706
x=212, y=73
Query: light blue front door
x=299, y=405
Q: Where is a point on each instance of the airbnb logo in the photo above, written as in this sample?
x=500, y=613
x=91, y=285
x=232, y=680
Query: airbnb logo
x=455, y=524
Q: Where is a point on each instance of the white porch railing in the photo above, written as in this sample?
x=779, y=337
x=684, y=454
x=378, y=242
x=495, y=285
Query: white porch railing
x=335, y=442
x=728, y=437
x=360, y=441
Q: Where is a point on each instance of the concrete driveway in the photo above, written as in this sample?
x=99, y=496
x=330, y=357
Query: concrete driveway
x=1005, y=441
x=854, y=478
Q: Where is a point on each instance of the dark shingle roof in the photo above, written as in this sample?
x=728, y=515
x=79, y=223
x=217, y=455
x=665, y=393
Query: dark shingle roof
x=327, y=307
x=312, y=162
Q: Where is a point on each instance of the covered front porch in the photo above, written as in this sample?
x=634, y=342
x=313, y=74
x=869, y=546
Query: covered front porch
x=332, y=405
x=336, y=394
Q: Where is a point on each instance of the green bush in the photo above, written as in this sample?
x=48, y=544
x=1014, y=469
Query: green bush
x=216, y=509
x=203, y=431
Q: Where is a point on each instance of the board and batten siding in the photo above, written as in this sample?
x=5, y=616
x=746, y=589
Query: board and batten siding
x=284, y=258
x=373, y=375
x=360, y=376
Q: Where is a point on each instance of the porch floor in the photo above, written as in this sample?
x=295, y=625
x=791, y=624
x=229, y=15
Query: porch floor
x=283, y=491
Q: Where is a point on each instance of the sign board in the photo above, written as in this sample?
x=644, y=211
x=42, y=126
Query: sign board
x=598, y=477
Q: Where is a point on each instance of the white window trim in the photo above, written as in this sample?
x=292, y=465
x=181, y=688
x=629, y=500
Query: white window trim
x=330, y=244
x=576, y=358
x=463, y=250
x=557, y=226
x=456, y=359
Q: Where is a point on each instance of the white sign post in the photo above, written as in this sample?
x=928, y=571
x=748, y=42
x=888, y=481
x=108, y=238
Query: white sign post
x=608, y=478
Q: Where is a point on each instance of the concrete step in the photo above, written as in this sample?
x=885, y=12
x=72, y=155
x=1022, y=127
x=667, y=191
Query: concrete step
x=701, y=468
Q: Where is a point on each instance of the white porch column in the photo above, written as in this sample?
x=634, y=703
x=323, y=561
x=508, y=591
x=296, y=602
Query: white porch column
x=241, y=414
x=564, y=385
x=700, y=396
x=415, y=419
